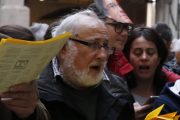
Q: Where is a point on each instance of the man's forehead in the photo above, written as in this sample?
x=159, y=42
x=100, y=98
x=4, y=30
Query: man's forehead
x=94, y=27
x=99, y=38
x=93, y=34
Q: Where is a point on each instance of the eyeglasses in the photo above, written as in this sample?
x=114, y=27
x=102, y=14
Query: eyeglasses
x=119, y=27
x=96, y=47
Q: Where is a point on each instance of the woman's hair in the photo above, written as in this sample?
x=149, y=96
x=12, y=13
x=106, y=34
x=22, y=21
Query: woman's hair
x=164, y=31
x=3, y=36
x=150, y=35
x=48, y=34
x=17, y=32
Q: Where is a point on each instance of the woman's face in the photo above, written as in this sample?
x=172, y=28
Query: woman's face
x=144, y=58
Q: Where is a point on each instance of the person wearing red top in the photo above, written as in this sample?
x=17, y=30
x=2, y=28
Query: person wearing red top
x=117, y=62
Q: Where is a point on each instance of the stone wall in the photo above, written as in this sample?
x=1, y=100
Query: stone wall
x=14, y=12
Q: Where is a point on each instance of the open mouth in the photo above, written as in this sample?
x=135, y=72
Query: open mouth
x=97, y=68
x=143, y=67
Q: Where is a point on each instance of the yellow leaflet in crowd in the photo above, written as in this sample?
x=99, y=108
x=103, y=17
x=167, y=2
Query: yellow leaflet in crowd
x=21, y=61
x=154, y=115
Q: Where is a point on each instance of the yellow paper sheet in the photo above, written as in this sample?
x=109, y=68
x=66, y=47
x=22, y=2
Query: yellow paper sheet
x=22, y=61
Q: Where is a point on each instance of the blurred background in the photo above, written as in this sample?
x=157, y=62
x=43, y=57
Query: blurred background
x=146, y=12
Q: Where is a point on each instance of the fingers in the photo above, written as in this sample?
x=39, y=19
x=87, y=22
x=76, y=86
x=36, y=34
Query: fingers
x=142, y=111
x=25, y=87
x=20, y=95
x=18, y=102
x=23, y=91
x=136, y=104
x=22, y=99
x=22, y=108
x=147, y=107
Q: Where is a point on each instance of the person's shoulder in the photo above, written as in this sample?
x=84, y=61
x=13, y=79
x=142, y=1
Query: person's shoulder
x=47, y=84
x=115, y=77
x=166, y=94
x=48, y=69
x=46, y=76
x=109, y=73
x=169, y=99
x=117, y=86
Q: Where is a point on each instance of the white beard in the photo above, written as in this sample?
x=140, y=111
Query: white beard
x=77, y=78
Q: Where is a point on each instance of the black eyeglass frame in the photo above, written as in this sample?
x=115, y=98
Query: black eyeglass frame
x=125, y=26
x=89, y=44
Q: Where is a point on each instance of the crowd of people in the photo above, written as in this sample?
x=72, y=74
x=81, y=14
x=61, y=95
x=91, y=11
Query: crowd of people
x=107, y=70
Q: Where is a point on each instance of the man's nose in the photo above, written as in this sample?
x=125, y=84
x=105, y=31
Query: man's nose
x=102, y=54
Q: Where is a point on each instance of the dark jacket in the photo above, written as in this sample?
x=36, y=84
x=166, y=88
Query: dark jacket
x=172, y=66
x=114, y=99
x=170, y=99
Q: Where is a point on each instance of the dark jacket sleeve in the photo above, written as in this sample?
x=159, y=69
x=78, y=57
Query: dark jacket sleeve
x=166, y=109
x=41, y=112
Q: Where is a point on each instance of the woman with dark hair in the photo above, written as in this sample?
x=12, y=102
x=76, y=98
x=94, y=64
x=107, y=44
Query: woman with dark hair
x=48, y=34
x=146, y=52
x=17, y=32
x=3, y=36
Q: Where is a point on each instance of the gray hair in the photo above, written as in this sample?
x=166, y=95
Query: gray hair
x=71, y=23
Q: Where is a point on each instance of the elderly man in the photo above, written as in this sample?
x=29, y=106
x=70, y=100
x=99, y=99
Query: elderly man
x=74, y=86
x=118, y=31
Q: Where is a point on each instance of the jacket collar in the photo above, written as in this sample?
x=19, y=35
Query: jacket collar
x=54, y=91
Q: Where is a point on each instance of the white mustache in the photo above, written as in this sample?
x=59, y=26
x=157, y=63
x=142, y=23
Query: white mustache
x=99, y=63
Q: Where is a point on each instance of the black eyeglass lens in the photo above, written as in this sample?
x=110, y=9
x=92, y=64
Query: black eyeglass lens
x=94, y=46
x=119, y=27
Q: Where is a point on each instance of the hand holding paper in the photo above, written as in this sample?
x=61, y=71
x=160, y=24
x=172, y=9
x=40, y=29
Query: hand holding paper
x=21, y=99
x=22, y=61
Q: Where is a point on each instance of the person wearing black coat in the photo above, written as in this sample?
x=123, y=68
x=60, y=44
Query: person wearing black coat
x=75, y=86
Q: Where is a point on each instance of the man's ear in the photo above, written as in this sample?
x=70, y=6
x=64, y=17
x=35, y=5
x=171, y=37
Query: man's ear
x=63, y=51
